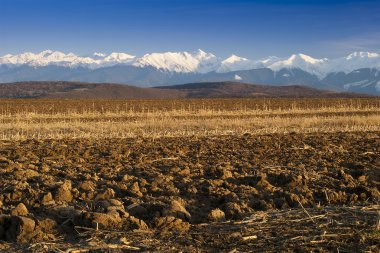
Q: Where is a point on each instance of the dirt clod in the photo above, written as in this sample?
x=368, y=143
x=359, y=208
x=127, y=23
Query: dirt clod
x=170, y=223
x=47, y=199
x=176, y=209
x=216, y=215
x=17, y=229
x=64, y=192
x=98, y=220
x=107, y=194
x=20, y=210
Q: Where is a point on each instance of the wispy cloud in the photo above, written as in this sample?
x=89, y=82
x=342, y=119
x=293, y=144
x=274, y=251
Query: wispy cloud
x=364, y=42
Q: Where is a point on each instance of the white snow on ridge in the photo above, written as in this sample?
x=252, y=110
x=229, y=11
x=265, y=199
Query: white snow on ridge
x=49, y=57
x=41, y=59
x=118, y=57
x=354, y=61
x=264, y=63
x=311, y=65
x=197, y=62
x=235, y=63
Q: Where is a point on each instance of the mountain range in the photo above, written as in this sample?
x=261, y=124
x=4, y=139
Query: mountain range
x=356, y=72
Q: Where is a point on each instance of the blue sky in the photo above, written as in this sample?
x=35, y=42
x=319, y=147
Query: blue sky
x=251, y=29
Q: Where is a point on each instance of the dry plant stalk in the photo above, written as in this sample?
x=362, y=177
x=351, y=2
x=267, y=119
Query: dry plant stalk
x=198, y=118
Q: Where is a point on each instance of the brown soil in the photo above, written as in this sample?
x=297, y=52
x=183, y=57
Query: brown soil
x=274, y=193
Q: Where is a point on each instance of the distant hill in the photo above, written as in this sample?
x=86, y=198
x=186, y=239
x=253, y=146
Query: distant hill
x=78, y=90
x=244, y=90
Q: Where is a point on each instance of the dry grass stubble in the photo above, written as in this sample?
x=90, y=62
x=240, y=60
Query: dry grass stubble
x=209, y=120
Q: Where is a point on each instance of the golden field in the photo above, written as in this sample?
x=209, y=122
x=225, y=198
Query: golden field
x=41, y=119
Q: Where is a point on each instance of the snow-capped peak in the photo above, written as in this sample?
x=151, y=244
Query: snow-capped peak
x=119, y=57
x=234, y=63
x=202, y=55
x=199, y=61
x=355, y=60
x=301, y=59
x=234, y=58
x=304, y=62
x=268, y=61
x=45, y=52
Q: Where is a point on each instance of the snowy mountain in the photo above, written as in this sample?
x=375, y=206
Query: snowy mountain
x=57, y=58
x=199, y=61
x=318, y=67
x=358, y=71
x=354, y=61
x=234, y=63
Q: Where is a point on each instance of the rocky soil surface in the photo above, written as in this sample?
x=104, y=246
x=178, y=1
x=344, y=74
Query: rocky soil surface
x=272, y=193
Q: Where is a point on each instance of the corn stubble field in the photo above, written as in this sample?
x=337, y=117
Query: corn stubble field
x=197, y=175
